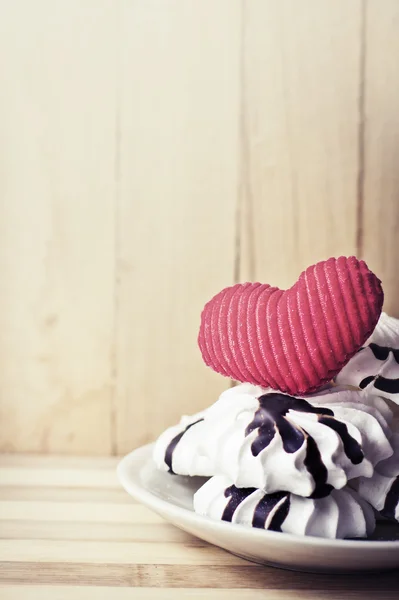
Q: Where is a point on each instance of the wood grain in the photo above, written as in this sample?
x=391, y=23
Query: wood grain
x=55, y=550
x=151, y=153
x=299, y=135
x=30, y=529
x=77, y=512
x=50, y=475
x=380, y=215
x=62, y=494
x=10, y=592
x=165, y=577
x=178, y=185
x=57, y=129
x=122, y=552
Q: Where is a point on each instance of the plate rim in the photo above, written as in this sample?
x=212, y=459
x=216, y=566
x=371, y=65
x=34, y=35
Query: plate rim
x=153, y=501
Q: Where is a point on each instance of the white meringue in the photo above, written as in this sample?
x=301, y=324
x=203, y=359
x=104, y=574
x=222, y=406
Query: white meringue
x=375, y=367
x=341, y=514
x=386, y=332
x=272, y=441
x=382, y=489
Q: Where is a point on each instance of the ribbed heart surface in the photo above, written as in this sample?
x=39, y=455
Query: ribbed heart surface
x=292, y=340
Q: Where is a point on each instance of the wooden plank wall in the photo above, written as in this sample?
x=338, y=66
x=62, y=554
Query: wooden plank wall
x=154, y=151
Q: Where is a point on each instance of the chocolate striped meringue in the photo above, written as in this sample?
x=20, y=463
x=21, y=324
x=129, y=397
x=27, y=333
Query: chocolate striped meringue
x=382, y=489
x=375, y=367
x=342, y=514
x=268, y=440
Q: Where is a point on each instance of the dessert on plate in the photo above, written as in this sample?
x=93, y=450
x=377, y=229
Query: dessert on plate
x=306, y=443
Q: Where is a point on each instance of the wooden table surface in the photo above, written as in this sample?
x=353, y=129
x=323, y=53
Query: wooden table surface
x=69, y=531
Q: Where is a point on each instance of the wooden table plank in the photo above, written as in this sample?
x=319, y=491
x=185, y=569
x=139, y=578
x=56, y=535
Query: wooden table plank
x=59, y=461
x=139, y=553
x=245, y=576
x=78, y=537
x=62, y=477
x=15, y=592
x=111, y=532
x=38, y=493
x=77, y=511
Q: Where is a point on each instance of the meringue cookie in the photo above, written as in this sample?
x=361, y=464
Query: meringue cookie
x=375, y=367
x=382, y=489
x=386, y=332
x=341, y=514
x=272, y=441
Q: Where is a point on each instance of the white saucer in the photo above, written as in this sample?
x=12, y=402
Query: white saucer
x=171, y=496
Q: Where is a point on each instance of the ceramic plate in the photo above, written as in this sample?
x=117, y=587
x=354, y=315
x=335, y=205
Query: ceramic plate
x=171, y=496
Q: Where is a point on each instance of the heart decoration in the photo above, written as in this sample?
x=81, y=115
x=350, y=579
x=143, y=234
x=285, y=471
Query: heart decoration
x=292, y=340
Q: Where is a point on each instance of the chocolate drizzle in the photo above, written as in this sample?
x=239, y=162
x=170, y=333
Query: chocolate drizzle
x=391, y=501
x=271, y=417
x=382, y=352
x=314, y=464
x=366, y=381
x=173, y=443
x=266, y=505
x=236, y=495
x=262, y=510
x=352, y=448
x=389, y=386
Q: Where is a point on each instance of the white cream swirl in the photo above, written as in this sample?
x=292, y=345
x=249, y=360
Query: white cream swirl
x=382, y=489
x=375, y=367
x=272, y=441
x=342, y=514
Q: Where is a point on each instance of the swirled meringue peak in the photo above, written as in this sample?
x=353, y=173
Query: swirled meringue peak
x=342, y=514
x=382, y=489
x=375, y=367
x=275, y=442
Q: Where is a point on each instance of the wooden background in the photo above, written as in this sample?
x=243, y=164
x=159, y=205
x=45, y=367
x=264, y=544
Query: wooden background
x=154, y=151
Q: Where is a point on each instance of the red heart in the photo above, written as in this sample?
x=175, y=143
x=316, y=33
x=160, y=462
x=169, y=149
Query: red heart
x=294, y=340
